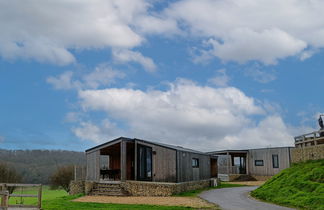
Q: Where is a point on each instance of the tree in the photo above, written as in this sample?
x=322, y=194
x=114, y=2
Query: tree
x=9, y=175
x=62, y=177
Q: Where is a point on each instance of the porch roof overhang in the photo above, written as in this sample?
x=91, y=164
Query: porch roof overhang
x=225, y=152
x=107, y=144
x=118, y=140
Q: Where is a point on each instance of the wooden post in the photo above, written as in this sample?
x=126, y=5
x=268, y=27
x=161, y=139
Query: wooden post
x=4, y=200
x=123, y=161
x=40, y=197
x=135, y=161
x=228, y=164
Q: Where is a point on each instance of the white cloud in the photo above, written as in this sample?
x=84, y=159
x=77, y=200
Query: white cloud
x=47, y=31
x=221, y=79
x=72, y=117
x=247, y=30
x=259, y=75
x=186, y=114
x=63, y=81
x=102, y=76
x=2, y=139
x=89, y=131
x=124, y=56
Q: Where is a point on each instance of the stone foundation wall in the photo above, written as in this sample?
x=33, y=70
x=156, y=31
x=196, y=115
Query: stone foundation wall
x=307, y=153
x=232, y=177
x=76, y=187
x=138, y=188
x=261, y=178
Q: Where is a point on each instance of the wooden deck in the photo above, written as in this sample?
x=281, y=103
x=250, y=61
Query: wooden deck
x=310, y=139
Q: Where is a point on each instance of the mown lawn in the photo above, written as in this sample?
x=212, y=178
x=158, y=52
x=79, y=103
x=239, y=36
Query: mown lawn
x=301, y=186
x=59, y=199
x=194, y=193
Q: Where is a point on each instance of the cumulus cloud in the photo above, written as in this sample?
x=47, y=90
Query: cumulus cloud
x=259, y=75
x=102, y=75
x=48, y=31
x=124, y=56
x=247, y=30
x=96, y=133
x=186, y=114
x=221, y=79
x=63, y=81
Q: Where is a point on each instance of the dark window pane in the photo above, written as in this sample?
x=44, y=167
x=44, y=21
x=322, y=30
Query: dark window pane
x=275, y=161
x=195, y=162
x=258, y=163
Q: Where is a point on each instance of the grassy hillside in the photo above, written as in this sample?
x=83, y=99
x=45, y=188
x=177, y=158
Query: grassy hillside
x=36, y=166
x=301, y=185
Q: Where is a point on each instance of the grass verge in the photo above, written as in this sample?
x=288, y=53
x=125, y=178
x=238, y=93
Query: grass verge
x=66, y=203
x=301, y=186
x=195, y=193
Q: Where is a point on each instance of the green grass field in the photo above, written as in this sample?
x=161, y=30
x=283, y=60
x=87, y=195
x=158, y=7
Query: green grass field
x=301, y=186
x=194, y=193
x=59, y=199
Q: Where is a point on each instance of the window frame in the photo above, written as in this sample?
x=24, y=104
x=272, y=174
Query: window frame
x=255, y=163
x=273, y=162
x=195, y=162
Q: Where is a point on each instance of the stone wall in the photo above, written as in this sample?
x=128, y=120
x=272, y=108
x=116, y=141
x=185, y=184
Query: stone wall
x=76, y=187
x=261, y=178
x=307, y=153
x=138, y=188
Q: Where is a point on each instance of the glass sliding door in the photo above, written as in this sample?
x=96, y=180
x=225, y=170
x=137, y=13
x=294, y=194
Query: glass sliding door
x=144, y=163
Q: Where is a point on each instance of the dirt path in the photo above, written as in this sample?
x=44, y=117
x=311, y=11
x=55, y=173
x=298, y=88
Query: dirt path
x=163, y=201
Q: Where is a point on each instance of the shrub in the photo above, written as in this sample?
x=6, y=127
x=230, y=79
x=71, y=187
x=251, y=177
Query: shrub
x=9, y=175
x=62, y=177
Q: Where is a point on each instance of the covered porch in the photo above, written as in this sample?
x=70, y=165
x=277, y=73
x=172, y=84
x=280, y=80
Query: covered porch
x=120, y=160
x=231, y=163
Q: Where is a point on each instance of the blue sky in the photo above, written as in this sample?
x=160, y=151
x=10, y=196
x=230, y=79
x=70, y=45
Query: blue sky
x=202, y=74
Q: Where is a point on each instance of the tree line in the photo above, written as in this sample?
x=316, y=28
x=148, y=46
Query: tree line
x=36, y=166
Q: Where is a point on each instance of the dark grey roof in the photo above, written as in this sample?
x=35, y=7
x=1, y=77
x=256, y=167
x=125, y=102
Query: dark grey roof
x=178, y=148
x=244, y=150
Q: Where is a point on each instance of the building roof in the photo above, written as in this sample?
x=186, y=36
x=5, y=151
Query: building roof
x=178, y=148
x=220, y=152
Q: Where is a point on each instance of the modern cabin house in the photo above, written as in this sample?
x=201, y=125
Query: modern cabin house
x=258, y=163
x=134, y=159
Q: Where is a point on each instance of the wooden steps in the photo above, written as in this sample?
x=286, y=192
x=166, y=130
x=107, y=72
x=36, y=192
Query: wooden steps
x=108, y=189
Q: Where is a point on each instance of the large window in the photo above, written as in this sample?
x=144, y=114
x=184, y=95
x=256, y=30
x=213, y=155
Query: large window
x=275, y=161
x=258, y=162
x=195, y=162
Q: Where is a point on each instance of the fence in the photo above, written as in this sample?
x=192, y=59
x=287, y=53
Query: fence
x=7, y=191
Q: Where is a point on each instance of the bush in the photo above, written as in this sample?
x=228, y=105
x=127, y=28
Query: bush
x=62, y=177
x=9, y=175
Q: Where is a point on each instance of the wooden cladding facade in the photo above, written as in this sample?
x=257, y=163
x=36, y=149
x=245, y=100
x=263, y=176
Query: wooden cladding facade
x=186, y=172
x=268, y=156
x=169, y=164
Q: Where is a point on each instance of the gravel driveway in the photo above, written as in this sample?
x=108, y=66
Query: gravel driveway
x=237, y=198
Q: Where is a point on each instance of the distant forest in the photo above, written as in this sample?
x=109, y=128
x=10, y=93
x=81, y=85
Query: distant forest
x=36, y=166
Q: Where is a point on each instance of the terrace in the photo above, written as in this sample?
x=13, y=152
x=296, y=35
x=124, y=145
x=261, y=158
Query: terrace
x=310, y=139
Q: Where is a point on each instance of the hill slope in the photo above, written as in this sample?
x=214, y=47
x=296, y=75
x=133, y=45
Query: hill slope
x=301, y=185
x=37, y=165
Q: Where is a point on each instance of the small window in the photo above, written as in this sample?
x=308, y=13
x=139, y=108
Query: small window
x=195, y=162
x=258, y=163
x=275, y=161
